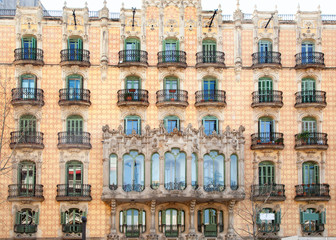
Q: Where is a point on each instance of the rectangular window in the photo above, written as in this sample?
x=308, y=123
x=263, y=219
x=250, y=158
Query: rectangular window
x=132, y=124
x=210, y=126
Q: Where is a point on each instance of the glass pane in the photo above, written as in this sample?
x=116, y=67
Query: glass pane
x=234, y=171
x=194, y=170
x=155, y=169
x=128, y=169
x=113, y=169
x=169, y=168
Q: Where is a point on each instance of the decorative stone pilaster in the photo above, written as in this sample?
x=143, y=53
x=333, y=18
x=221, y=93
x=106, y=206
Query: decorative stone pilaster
x=237, y=18
x=152, y=229
x=230, y=232
x=113, y=232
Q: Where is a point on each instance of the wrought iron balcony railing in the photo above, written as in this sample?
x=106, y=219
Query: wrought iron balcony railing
x=136, y=187
x=214, y=187
x=309, y=139
x=25, y=191
x=73, y=190
x=28, y=55
x=205, y=97
x=75, y=55
x=172, y=230
x=268, y=139
x=312, y=227
x=74, y=139
x=24, y=138
x=133, y=56
x=172, y=57
x=172, y=96
x=74, y=96
x=312, y=191
x=310, y=59
x=175, y=185
x=72, y=228
x=25, y=228
x=210, y=58
x=132, y=230
x=268, y=191
x=266, y=58
x=210, y=230
x=310, y=97
x=32, y=96
x=268, y=227
x=132, y=96
x=267, y=98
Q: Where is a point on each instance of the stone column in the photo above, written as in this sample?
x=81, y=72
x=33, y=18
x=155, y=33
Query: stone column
x=237, y=18
x=227, y=172
x=148, y=173
x=200, y=172
x=162, y=172
x=106, y=172
x=189, y=161
x=113, y=232
x=231, y=233
x=120, y=173
x=192, y=233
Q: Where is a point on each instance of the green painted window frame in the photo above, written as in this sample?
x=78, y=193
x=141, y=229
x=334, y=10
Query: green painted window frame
x=308, y=89
x=210, y=118
x=306, y=172
x=213, y=155
x=308, y=120
x=141, y=215
x=133, y=118
x=28, y=124
x=266, y=173
x=132, y=40
x=113, y=182
x=132, y=79
x=78, y=42
x=267, y=42
x=170, y=41
x=215, y=219
x=75, y=125
x=155, y=170
x=28, y=77
x=76, y=165
x=31, y=169
x=27, y=217
x=72, y=226
x=135, y=158
x=175, y=152
x=234, y=183
x=310, y=219
x=277, y=217
x=31, y=40
x=209, y=48
x=265, y=89
x=180, y=219
x=171, y=118
x=74, y=77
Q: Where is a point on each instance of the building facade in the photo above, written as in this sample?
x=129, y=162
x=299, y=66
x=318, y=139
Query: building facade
x=168, y=122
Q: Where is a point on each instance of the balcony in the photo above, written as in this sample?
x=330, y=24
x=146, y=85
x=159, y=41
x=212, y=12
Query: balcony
x=311, y=140
x=27, y=96
x=210, y=230
x=273, y=192
x=309, y=60
x=172, y=97
x=68, y=97
x=172, y=58
x=267, y=140
x=72, y=228
x=130, y=58
x=25, y=192
x=75, y=57
x=214, y=187
x=312, y=98
x=312, y=192
x=266, y=59
x=172, y=230
x=25, y=228
x=136, y=187
x=132, y=231
x=67, y=140
x=179, y=186
x=268, y=228
x=73, y=192
x=133, y=97
x=32, y=56
x=210, y=59
x=214, y=98
x=20, y=139
x=267, y=98
x=312, y=227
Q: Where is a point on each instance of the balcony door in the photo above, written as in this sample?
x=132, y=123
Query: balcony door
x=75, y=129
x=209, y=89
x=132, y=47
x=26, y=178
x=310, y=173
x=133, y=86
x=307, y=49
x=28, y=129
x=75, y=49
x=265, y=48
x=266, y=129
x=170, y=48
x=28, y=86
x=213, y=172
x=74, y=178
x=209, y=51
x=171, y=122
x=75, y=88
x=133, y=172
x=28, y=45
x=171, y=87
x=266, y=173
x=308, y=87
x=175, y=170
x=265, y=90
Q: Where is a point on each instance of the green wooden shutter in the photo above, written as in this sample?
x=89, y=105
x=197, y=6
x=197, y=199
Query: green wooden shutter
x=164, y=217
x=301, y=217
x=316, y=174
x=179, y=217
x=323, y=217
x=18, y=218
x=139, y=126
x=278, y=217
x=258, y=221
x=37, y=217
x=63, y=218
x=140, y=217
x=199, y=220
x=217, y=127
x=164, y=45
x=80, y=44
x=84, y=214
x=68, y=43
x=33, y=43
x=125, y=217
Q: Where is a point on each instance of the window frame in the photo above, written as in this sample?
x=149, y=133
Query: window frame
x=132, y=118
x=210, y=118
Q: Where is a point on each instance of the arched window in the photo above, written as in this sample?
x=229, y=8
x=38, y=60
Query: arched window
x=132, y=123
x=28, y=86
x=71, y=221
x=133, y=88
x=171, y=122
x=155, y=171
x=28, y=126
x=171, y=87
x=210, y=222
x=134, y=172
x=26, y=178
x=268, y=221
x=175, y=170
x=266, y=173
x=265, y=89
x=74, y=87
x=310, y=173
x=132, y=222
x=312, y=221
x=213, y=171
x=266, y=129
x=210, y=124
x=74, y=178
x=113, y=172
x=132, y=50
x=307, y=49
x=209, y=89
x=28, y=45
x=75, y=49
x=170, y=48
x=171, y=222
x=26, y=221
x=308, y=87
x=209, y=49
x=234, y=172
x=265, y=49
x=194, y=171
